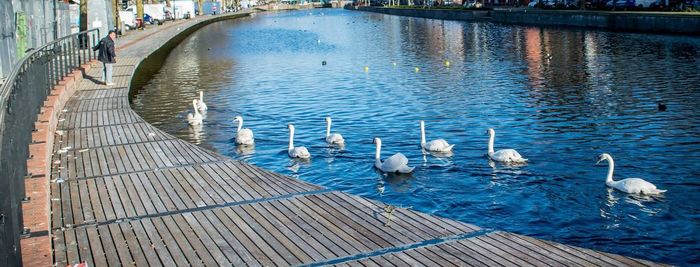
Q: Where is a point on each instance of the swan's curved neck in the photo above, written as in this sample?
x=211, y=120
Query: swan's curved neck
x=611, y=168
x=328, y=128
x=196, y=111
x=240, y=124
x=291, y=138
x=492, y=137
x=378, y=151
x=422, y=133
x=201, y=96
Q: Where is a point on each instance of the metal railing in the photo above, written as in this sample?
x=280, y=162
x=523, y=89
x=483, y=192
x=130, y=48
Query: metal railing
x=21, y=98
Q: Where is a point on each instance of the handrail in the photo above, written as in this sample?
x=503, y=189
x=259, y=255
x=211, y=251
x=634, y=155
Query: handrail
x=21, y=97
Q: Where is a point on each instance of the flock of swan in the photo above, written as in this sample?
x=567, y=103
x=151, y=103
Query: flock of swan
x=398, y=163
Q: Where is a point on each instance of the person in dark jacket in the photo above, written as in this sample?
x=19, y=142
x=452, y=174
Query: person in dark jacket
x=107, y=56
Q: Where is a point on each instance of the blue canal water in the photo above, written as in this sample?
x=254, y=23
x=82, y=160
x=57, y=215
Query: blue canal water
x=560, y=97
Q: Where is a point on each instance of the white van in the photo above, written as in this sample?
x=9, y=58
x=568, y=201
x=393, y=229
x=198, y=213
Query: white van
x=179, y=9
x=156, y=12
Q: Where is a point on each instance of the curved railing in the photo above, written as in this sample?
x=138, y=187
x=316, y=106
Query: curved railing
x=21, y=98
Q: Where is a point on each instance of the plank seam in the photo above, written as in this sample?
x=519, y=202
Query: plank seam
x=384, y=251
x=190, y=210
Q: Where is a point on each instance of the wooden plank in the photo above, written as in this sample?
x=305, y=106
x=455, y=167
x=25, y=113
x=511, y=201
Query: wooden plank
x=218, y=239
x=204, y=254
x=160, y=193
x=103, y=161
x=440, y=256
x=260, y=242
x=247, y=251
x=234, y=181
x=307, y=243
x=217, y=194
x=616, y=260
x=201, y=193
x=148, y=192
x=331, y=241
x=83, y=246
x=109, y=245
x=151, y=246
x=133, y=245
x=209, y=244
x=404, y=234
x=175, y=233
x=487, y=239
x=173, y=189
x=59, y=248
x=134, y=197
x=498, y=252
x=97, y=214
x=66, y=204
x=105, y=199
x=191, y=193
x=460, y=256
x=498, y=239
x=267, y=230
x=566, y=251
x=216, y=181
x=422, y=259
x=352, y=238
x=475, y=252
x=164, y=242
x=148, y=202
x=98, y=253
x=399, y=220
x=122, y=247
x=129, y=209
x=254, y=189
x=56, y=210
x=379, y=238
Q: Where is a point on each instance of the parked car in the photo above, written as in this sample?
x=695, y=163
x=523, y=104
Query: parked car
x=532, y=4
x=620, y=3
x=473, y=4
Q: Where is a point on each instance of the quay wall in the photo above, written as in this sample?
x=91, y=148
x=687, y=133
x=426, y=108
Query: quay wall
x=648, y=22
x=622, y=21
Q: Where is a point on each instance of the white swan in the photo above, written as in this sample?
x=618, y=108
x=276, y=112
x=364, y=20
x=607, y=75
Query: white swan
x=201, y=106
x=244, y=136
x=396, y=163
x=296, y=152
x=196, y=118
x=333, y=139
x=629, y=185
x=439, y=145
x=503, y=155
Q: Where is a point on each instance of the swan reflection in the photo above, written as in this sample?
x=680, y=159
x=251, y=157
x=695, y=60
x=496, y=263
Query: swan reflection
x=195, y=133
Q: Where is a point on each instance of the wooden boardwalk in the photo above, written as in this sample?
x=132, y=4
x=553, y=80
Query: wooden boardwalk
x=124, y=193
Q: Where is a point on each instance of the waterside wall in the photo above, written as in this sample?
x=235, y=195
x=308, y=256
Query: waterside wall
x=648, y=22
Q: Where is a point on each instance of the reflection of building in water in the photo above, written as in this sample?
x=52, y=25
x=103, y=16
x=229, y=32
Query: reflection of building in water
x=533, y=56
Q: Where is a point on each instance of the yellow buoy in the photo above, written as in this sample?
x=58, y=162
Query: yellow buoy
x=366, y=69
x=417, y=69
x=447, y=63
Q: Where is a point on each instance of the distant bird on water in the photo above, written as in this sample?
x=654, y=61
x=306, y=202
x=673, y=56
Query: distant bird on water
x=662, y=106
